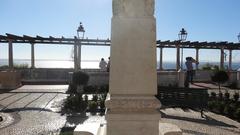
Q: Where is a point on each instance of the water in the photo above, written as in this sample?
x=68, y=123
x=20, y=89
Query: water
x=53, y=63
x=93, y=64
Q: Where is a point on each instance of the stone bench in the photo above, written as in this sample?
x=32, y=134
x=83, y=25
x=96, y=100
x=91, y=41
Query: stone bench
x=87, y=129
x=169, y=129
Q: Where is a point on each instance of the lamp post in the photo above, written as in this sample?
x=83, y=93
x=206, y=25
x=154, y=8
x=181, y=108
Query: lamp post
x=238, y=37
x=182, y=35
x=79, y=31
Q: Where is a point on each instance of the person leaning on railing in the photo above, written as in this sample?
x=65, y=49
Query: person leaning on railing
x=190, y=71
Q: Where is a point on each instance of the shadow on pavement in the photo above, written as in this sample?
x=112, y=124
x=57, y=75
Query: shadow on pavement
x=207, y=121
x=26, y=109
x=193, y=132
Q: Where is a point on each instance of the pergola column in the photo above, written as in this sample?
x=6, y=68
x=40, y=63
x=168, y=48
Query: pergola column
x=230, y=60
x=197, y=57
x=161, y=58
x=79, y=55
x=10, y=54
x=32, y=56
x=75, y=57
x=222, y=58
x=178, y=58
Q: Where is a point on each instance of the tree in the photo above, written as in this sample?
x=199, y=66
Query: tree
x=220, y=77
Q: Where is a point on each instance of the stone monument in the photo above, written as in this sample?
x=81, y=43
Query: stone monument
x=132, y=106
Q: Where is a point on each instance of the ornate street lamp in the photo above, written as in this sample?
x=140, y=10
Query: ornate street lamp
x=238, y=37
x=182, y=35
x=80, y=30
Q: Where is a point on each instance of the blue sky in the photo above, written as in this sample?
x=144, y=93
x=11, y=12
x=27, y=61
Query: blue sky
x=204, y=20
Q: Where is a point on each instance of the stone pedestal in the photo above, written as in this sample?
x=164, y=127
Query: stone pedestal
x=10, y=79
x=132, y=106
x=132, y=115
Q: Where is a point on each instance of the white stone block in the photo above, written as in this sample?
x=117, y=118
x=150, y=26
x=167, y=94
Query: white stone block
x=169, y=129
x=133, y=56
x=87, y=129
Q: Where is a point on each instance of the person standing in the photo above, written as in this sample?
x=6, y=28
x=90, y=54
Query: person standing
x=190, y=71
x=103, y=64
x=108, y=65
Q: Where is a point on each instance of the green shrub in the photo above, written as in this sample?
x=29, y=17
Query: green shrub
x=80, y=78
x=4, y=67
x=237, y=114
x=213, y=96
x=103, y=96
x=207, y=66
x=215, y=67
x=212, y=105
x=236, y=96
x=220, y=77
x=102, y=104
x=90, y=89
x=72, y=89
x=220, y=106
x=93, y=106
x=226, y=96
x=86, y=98
x=95, y=97
x=230, y=109
x=103, y=89
x=17, y=66
x=75, y=103
x=20, y=66
x=220, y=95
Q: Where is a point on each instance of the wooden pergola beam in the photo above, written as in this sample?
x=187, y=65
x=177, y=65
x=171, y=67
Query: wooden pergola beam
x=107, y=42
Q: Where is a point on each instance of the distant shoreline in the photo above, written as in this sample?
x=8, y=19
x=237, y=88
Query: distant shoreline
x=58, y=63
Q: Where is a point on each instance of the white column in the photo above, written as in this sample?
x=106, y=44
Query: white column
x=197, y=57
x=161, y=58
x=132, y=107
x=32, y=56
x=177, y=57
x=230, y=60
x=222, y=58
x=10, y=54
x=75, y=57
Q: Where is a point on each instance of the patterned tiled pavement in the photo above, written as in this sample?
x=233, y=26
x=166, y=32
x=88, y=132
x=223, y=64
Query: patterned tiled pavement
x=35, y=110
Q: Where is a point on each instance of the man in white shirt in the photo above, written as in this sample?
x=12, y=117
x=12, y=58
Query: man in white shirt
x=103, y=64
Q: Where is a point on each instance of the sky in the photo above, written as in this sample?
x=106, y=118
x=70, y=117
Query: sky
x=204, y=20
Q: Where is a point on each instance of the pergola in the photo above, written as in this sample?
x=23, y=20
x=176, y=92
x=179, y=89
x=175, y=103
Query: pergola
x=76, y=42
x=198, y=45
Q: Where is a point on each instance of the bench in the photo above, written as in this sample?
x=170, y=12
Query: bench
x=183, y=97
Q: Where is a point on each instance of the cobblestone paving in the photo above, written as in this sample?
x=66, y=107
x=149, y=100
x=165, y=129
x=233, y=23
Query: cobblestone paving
x=191, y=122
x=35, y=106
